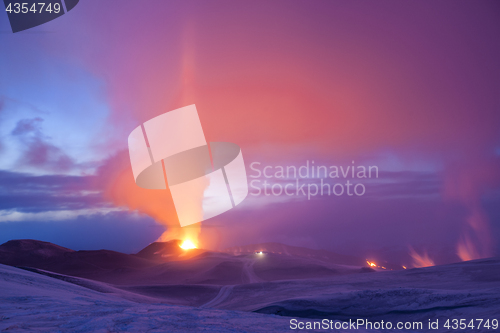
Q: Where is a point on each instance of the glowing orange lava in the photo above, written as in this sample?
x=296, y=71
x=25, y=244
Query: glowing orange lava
x=371, y=264
x=188, y=245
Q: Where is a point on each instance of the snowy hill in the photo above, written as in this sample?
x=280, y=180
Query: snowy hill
x=33, y=302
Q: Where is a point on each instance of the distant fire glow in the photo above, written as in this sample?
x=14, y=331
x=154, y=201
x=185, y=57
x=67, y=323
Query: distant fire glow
x=188, y=245
x=372, y=264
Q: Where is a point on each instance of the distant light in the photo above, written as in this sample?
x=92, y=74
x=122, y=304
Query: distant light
x=260, y=252
x=188, y=245
x=404, y=267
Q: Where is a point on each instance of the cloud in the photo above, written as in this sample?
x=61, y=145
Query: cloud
x=23, y=193
x=56, y=215
x=37, y=151
x=2, y=106
x=28, y=126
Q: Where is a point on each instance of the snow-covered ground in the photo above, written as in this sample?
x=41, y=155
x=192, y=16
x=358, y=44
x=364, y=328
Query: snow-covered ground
x=466, y=290
x=30, y=302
